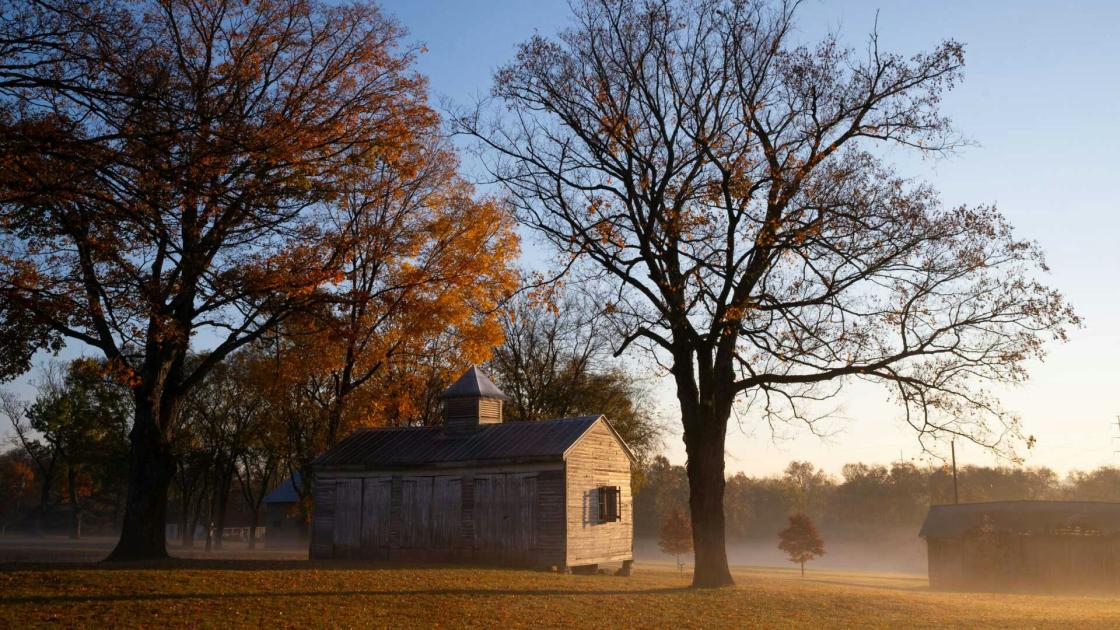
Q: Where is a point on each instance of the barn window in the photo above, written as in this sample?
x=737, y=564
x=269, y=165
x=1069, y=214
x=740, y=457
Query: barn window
x=609, y=510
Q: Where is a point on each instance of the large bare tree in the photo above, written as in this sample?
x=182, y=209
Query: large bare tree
x=721, y=179
x=163, y=172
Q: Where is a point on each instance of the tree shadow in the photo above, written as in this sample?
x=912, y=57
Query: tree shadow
x=436, y=592
x=241, y=564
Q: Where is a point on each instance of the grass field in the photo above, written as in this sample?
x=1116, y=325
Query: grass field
x=192, y=593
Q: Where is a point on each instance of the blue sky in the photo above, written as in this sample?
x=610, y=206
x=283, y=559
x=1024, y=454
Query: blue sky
x=1040, y=100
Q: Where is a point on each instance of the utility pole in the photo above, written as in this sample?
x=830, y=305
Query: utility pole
x=953, y=450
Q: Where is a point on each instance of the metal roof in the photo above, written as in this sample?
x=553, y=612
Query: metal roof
x=544, y=440
x=285, y=492
x=474, y=384
x=1022, y=517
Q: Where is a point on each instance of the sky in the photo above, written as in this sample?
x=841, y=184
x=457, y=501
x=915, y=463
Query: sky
x=1041, y=104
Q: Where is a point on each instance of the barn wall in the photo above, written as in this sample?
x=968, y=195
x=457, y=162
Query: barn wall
x=508, y=515
x=944, y=558
x=597, y=460
x=1003, y=561
x=322, y=519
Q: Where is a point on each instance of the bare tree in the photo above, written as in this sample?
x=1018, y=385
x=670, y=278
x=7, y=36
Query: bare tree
x=556, y=361
x=720, y=180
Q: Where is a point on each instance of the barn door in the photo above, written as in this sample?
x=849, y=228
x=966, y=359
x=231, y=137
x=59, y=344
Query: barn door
x=376, y=497
x=505, y=514
x=447, y=511
x=416, y=512
x=487, y=512
x=522, y=497
x=347, y=517
x=322, y=524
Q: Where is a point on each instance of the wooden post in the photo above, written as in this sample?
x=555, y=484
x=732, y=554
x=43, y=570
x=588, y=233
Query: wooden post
x=953, y=449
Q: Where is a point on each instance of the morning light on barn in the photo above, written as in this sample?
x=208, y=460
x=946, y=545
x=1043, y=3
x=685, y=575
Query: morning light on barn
x=559, y=313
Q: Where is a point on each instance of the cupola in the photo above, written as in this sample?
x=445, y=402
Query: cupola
x=471, y=401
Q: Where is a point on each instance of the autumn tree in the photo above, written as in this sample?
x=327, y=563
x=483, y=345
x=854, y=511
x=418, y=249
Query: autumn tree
x=82, y=416
x=555, y=361
x=800, y=540
x=17, y=486
x=426, y=264
x=675, y=534
x=165, y=170
x=721, y=180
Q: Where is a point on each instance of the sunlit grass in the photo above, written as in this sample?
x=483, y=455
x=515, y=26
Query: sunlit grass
x=289, y=594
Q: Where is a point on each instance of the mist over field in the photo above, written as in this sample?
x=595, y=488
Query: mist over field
x=899, y=551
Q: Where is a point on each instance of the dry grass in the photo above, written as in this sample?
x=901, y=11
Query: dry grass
x=297, y=594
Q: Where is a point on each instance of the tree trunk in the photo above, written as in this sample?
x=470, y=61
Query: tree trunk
x=75, y=508
x=705, y=408
x=196, y=516
x=802, y=568
x=151, y=468
x=704, y=438
x=224, y=482
x=184, y=519
x=45, y=496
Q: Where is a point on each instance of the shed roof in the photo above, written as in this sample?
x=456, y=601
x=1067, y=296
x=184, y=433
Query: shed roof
x=285, y=492
x=419, y=446
x=474, y=384
x=1022, y=517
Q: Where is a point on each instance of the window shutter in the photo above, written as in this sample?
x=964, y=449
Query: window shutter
x=608, y=504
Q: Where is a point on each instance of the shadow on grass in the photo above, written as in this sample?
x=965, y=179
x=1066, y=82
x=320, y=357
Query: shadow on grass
x=444, y=592
x=916, y=588
x=240, y=564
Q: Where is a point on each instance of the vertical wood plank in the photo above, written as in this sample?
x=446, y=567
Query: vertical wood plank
x=348, y=517
x=416, y=512
x=447, y=506
x=376, y=506
x=322, y=519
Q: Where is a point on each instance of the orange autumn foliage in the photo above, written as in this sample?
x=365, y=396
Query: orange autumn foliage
x=425, y=268
x=173, y=183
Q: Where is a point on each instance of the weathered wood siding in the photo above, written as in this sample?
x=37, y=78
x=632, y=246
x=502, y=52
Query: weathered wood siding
x=347, y=536
x=597, y=460
x=376, y=504
x=322, y=519
x=505, y=515
x=498, y=515
x=465, y=414
x=1004, y=561
x=447, y=512
x=416, y=512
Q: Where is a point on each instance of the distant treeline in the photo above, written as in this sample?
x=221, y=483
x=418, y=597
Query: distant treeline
x=866, y=500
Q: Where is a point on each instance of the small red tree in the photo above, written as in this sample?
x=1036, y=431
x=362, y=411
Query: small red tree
x=675, y=536
x=800, y=540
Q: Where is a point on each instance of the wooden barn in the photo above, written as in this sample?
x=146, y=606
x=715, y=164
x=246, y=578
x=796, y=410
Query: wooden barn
x=1024, y=545
x=552, y=493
